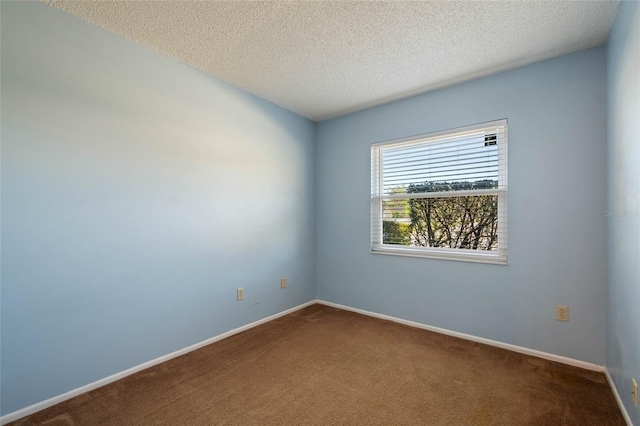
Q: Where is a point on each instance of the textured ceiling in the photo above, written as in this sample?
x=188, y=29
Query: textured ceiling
x=323, y=59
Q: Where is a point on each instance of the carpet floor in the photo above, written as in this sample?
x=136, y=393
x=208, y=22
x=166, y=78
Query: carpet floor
x=326, y=366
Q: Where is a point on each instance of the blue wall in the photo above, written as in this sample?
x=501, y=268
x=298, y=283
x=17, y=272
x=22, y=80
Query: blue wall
x=623, y=203
x=137, y=195
x=557, y=132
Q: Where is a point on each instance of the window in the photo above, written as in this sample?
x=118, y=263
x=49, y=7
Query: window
x=442, y=195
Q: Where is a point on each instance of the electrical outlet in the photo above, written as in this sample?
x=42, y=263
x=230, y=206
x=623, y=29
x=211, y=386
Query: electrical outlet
x=241, y=294
x=634, y=392
x=562, y=313
x=283, y=283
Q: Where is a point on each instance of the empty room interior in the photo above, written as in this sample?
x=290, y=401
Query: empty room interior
x=358, y=213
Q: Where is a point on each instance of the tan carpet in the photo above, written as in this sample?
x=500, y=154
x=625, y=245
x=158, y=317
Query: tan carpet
x=325, y=366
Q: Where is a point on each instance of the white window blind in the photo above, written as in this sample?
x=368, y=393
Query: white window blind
x=442, y=195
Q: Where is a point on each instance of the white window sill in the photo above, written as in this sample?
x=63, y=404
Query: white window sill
x=444, y=254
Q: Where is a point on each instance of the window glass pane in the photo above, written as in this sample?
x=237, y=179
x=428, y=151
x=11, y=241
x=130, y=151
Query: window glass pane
x=469, y=222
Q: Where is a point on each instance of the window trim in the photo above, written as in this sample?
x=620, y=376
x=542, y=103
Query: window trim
x=481, y=256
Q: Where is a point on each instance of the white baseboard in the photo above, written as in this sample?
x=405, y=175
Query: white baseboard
x=97, y=384
x=102, y=382
x=510, y=347
x=623, y=409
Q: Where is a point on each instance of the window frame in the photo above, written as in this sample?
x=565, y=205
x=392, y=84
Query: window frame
x=498, y=256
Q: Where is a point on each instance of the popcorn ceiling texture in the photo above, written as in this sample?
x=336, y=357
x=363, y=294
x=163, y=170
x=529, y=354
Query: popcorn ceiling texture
x=324, y=59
